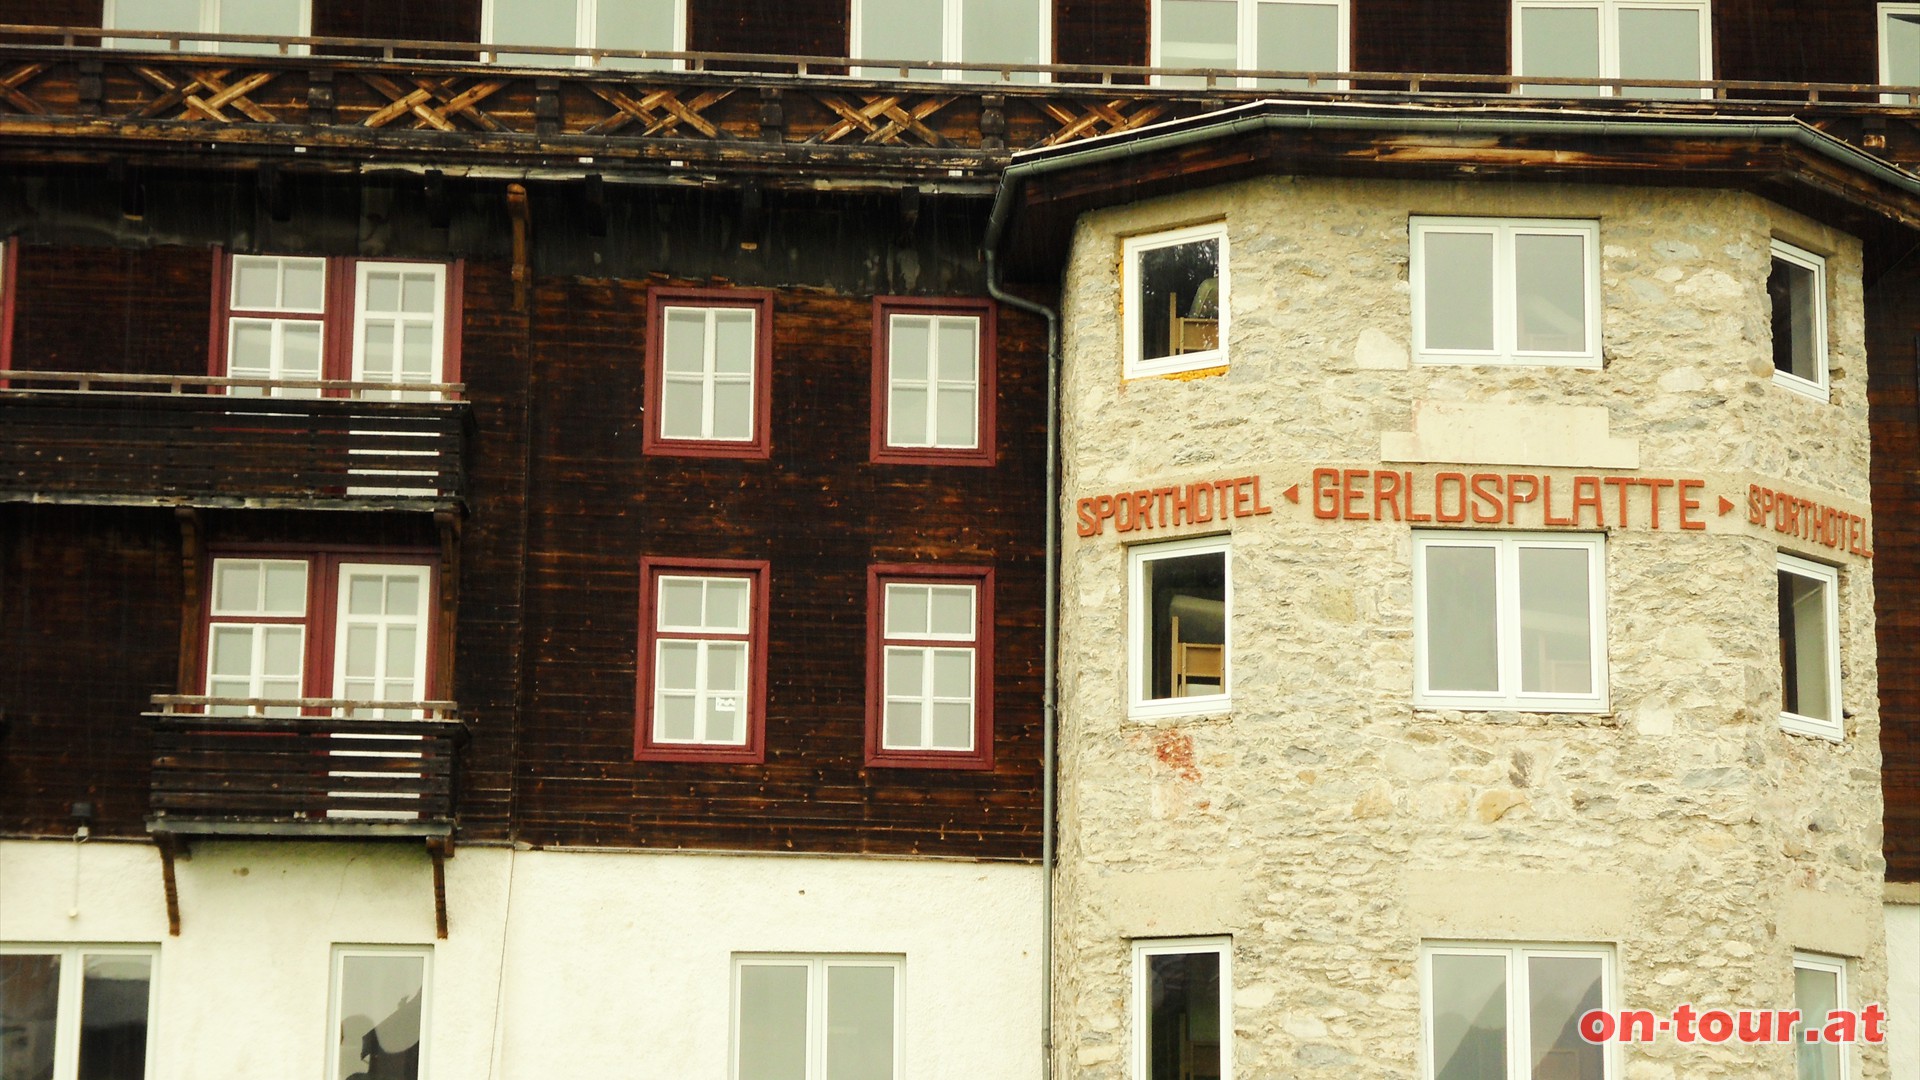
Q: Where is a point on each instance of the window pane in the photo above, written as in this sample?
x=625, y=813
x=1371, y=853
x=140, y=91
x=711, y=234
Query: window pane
x=682, y=602
x=859, y=1022
x=286, y=588
x=952, y=726
x=1656, y=44
x=907, y=416
x=300, y=350
x=256, y=283
x=1803, y=646
x=726, y=667
x=380, y=1011
x=1550, y=278
x=1903, y=51
x=723, y=720
x=113, y=1017
x=304, y=283
x=1791, y=288
x=906, y=672
x=678, y=667
x=1002, y=31
x=1561, y=42
x=365, y=594
x=732, y=410
x=232, y=651
x=403, y=645
x=29, y=1012
x=1560, y=990
x=1187, y=615
x=773, y=1022
x=953, y=610
x=955, y=419
x=733, y=341
x=1198, y=34
x=1457, y=290
x=686, y=340
x=416, y=352
x=1179, y=301
x=376, y=351
x=1297, y=37
x=236, y=586
x=282, y=651
x=903, y=722
x=1816, y=993
x=403, y=595
x=900, y=30
x=1469, y=1017
x=681, y=409
x=953, y=673
x=1460, y=636
x=1556, y=628
x=250, y=352
x=676, y=718
x=959, y=349
x=635, y=24
x=909, y=609
x=268, y=18
x=1183, y=1018
x=727, y=604
x=156, y=15
x=534, y=22
x=362, y=647
x=911, y=342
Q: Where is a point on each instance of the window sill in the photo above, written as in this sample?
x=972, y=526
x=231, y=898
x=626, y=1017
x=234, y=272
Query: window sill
x=1582, y=362
x=1217, y=707
x=1515, y=717
x=1806, y=388
x=1808, y=727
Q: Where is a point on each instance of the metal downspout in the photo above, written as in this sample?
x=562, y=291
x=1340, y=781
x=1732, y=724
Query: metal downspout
x=1049, y=652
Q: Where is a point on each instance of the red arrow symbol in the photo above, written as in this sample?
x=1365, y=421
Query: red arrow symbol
x=1292, y=493
x=1726, y=504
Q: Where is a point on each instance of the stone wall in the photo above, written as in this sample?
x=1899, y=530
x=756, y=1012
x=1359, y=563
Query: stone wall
x=1326, y=823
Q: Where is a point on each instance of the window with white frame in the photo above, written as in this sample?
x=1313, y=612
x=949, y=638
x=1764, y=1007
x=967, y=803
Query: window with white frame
x=1809, y=647
x=1506, y=291
x=276, y=19
x=1180, y=601
x=1819, y=988
x=1511, y=1012
x=76, y=1012
x=933, y=382
x=708, y=362
x=1174, y=300
x=1797, y=298
x=1899, y=49
x=379, y=1013
x=1183, y=1009
x=703, y=642
x=931, y=666
x=267, y=615
x=1239, y=35
x=816, y=1017
x=293, y=320
x=1660, y=40
x=1509, y=621
x=650, y=25
x=986, y=32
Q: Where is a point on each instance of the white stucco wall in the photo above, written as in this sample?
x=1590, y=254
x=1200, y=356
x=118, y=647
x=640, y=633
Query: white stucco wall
x=582, y=964
x=1903, y=979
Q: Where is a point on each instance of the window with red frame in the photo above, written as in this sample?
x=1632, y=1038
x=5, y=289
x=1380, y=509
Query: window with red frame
x=350, y=626
x=702, y=660
x=292, y=321
x=709, y=371
x=930, y=667
x=933, y=381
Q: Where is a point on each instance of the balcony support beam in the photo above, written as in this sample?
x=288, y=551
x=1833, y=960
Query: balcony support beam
x=171, y=847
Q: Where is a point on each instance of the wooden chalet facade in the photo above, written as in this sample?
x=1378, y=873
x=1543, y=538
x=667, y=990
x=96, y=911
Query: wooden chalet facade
x=341, y=362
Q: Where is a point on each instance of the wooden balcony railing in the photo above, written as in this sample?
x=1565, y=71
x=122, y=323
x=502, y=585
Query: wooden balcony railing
x=148, y=441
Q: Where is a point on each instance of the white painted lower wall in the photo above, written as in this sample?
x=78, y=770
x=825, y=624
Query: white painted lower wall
x=559, y=963
x=1903, y=979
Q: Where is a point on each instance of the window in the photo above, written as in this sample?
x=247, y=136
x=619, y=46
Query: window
x=983, y=31
x=1613, y=39
x=380, y=1012
x=1819, y=987
x=1809, y=648
x=292, y=321
x=653, y=25
x=709, y=361
x=1511, y=1012
x=1797, y=294
x=1899, y=49
x=703, y=660
x=1178, y=626
x=930, y=666
x=344, y=626
x=1266, y=35
x=816, y=1017
x=1182, y=1009
x=933, y=381
x=76, y=1012
x=267, y=18
x=1509, y=621
x=1506, y=291
x=1174, y=298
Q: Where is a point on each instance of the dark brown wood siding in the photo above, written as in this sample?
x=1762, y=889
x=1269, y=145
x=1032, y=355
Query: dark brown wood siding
x=791, y=28
x=1893, y=387
x=1790, y=40
x=1442, y=36
x=1102, y=31
x=123, y=310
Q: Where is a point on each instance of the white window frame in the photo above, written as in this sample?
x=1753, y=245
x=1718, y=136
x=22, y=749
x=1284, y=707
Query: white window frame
x=952, y=37
x=1819, y=389
x=1130, y=316
x=1506, y=547
x=1837, y=967
x=363, y=269
x=1519, y=998
x=257, y=622
x=336, y=976
x=1140, y=632
x=1609, y=18
x=1887, y=13
x=67, y=1017
x=585, y=28
x=1829, y=579
x=1505, y=232
x=277, y=317
x=710, y=376
x=210, y=19
x=665, y=633
x=817, y=966
x=1220, y=946
x=422, y=625
x=927, y=644
x=934, y=383
x=1247, y=39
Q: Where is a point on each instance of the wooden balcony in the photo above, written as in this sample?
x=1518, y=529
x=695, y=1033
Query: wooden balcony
x=195, y=441
x=790, y=119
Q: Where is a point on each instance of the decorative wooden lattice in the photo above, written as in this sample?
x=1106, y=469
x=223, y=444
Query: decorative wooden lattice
x=13, y=80
x=433, y=103
x=1080, y=119
x=205, y=94
x=883, y=119
x=659, y=110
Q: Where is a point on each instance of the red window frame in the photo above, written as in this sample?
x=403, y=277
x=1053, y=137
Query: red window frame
x=879, y=576
x=757, y=573
x=337, y=314
x=884, y=308
x=760, y=301
x=323, y=603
